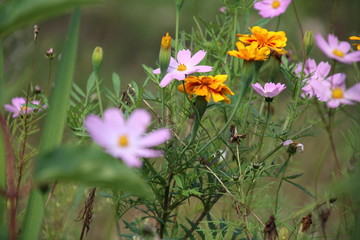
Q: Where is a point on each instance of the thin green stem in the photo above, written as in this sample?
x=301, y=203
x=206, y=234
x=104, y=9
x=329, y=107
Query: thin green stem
x=333, y=16
x=278, y=23
x=263, y=132
x=48, y=87
x=280, y=183
x=298, y=19
x=98, y=92
x=177, y=23
x=163, y=107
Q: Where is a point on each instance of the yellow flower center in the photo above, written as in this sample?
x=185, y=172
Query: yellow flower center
x=338, y=53
x=337, y=93
x=275, y=4
x=181, y=67
x=24, y=109
x=123, y=141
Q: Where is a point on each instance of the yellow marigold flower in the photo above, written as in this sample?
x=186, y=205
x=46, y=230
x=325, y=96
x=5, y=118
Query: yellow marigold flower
x=273, y=40
x=250, y=53
x=356, y=44
x=207, y=86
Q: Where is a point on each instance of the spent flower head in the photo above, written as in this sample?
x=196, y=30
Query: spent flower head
x=184, y=65
x=208, y=86
x=126, y=138
x=271, y=8
x=273, y=40
x=251, y=52
x=338, y=50
x=293, y=146
x=270, y=90
x=19, y=106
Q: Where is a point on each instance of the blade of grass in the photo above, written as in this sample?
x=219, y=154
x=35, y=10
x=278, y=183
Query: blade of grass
x=54, y=125
x=2, y=138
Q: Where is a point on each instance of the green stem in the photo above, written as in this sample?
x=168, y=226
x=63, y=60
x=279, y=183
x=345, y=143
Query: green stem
x=48, y=87
x=97, y=82
x=298, y=19
x=280, y=183
x=278, y=23
x=177, y=22
x=163, y=107
x=248, y=74
x=263, y=132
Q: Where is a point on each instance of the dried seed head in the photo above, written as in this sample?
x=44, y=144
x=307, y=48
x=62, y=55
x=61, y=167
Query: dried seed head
x=36, y=31
x=306, y=223
x=235, y=137
x=270, y=232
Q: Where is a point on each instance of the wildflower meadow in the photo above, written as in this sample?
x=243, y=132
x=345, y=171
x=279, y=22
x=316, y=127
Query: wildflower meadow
x=179, y=119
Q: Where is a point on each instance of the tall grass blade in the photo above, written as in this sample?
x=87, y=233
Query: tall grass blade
x=54, y=124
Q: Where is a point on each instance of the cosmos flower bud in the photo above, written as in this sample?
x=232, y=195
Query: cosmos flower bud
x=165, y=52
x=50, y=54
x=97, y=57
x=308, y=41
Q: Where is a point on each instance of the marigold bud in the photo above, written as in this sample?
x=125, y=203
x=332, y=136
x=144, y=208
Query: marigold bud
x=97, y=57
x=165, y=52
x=308, y=41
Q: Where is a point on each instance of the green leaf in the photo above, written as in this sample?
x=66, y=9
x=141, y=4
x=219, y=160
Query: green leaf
x=294, y=176
x=178, y=181
x=301, y=188
x=116, y=82
x=90, y=166
x=90, y=83
x=15, y=14
x=261, y=22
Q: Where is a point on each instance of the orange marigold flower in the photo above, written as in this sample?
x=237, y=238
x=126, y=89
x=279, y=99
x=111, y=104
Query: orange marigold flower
x=207, y=86
x=273, y=40
x=250, y=53
x=166, y=41
x=355, y=44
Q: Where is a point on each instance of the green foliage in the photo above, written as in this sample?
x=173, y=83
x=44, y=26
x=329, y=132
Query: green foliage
x=89, y=166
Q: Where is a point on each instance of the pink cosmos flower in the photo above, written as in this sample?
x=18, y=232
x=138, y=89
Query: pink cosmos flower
x=184, y=65
x=271, y=8
x=312, y=72
x=293, y=145
x=334, y=91
x=126, y=139
x=18, y=107
x=337, y=50
x=270, y=89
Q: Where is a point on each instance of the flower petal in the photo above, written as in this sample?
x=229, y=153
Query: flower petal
x=155, y=138
x=114, y=118
x=196, y=58
x=184, y=56
x=138, y=121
